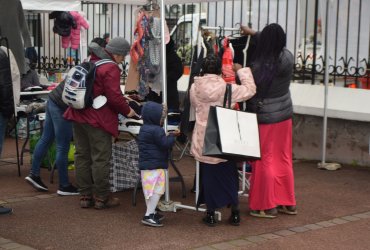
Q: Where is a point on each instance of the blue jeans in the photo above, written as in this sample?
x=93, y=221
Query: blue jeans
x=3, y=123
x=55, y=126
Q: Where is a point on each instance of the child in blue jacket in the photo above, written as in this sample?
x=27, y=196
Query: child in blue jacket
x=154, y=145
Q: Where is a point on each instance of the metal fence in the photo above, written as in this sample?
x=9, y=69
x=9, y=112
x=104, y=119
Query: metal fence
x=305, y=22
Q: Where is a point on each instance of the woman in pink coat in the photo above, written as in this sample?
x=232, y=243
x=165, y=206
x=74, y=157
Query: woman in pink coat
x=73, y=40
x=219, y=178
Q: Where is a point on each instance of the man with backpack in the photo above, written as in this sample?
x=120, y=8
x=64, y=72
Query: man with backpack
x=93, y=128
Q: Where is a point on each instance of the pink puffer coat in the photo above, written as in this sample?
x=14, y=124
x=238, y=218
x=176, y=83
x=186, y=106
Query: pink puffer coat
x=209, y=90
x=73, y=40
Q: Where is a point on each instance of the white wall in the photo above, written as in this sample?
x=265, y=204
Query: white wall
x=343, y=103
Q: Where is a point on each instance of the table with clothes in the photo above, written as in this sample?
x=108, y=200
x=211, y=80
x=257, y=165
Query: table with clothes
x=30, y=116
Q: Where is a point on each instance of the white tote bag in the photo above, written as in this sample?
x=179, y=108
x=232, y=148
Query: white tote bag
x=238, y=132
x=231, y=134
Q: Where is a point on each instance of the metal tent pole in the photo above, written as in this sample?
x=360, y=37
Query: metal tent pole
x=323, y=164
x=164, y=85
x=326, y=82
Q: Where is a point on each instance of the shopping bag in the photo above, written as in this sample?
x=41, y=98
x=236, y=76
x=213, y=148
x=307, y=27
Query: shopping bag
x=231, y=134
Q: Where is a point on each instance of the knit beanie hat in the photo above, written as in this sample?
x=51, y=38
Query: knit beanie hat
x=118, y=46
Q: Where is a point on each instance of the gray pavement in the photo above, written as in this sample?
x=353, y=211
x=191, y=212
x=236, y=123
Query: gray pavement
x=333, y=206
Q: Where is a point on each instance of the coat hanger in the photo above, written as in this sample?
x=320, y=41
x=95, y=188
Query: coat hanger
x=151, y=6
x=236, y=34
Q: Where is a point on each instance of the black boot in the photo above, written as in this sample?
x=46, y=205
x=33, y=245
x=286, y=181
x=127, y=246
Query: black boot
x=235, y=218
x=210, y=219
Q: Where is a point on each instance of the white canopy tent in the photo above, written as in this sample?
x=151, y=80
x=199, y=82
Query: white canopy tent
x=67, y=5
x=142, y=2
x=51, y=5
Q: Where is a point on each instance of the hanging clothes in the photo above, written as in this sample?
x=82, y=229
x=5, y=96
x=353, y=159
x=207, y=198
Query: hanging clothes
x=228, y=73
x=73, y=40
x=244, y=48
x=14, y=27
x=63, y=22
x=146, y=51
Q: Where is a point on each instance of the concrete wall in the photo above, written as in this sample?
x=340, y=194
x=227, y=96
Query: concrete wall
x=348, y=126
x=347, y=141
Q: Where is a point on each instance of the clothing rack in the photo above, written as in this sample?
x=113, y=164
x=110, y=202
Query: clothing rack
x=223, y=29
x=5, y=40
x=219, y=28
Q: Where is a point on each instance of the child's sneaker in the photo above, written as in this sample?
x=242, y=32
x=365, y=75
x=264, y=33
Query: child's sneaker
x=158, y=216
x=151, y=220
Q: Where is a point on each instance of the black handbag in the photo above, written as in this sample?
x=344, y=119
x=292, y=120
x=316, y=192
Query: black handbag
x=231, y=134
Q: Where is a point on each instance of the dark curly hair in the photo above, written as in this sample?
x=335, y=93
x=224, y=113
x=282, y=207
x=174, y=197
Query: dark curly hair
x=211, y=65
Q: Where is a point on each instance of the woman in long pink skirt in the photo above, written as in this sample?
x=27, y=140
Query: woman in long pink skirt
x=272, y=180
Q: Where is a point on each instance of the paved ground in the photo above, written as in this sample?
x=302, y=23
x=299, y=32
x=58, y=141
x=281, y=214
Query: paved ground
x=334, y=213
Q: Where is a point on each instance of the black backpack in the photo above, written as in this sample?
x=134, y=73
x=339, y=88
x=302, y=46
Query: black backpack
x=78, y=88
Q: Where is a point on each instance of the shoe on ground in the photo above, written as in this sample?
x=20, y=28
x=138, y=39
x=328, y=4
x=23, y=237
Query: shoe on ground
x=234, y=218
x=5, y=210
x=86, y=201
x=106, y=202
x=158, y=216
x=269, y=213
x=210, y=219
x=35, y=181
x=291, y=210
x=69, y=190
x=151, y=220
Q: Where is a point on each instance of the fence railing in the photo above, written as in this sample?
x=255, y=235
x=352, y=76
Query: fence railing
x=305, y=22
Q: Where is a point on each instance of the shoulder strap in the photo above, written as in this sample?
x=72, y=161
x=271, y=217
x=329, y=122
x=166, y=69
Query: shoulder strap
x=103, y=61
x=227, y=96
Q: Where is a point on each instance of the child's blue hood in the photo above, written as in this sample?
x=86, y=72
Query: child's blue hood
x=152, y=113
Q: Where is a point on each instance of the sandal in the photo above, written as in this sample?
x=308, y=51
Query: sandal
x=269, y=213
x=291, y=210
x=86, y=201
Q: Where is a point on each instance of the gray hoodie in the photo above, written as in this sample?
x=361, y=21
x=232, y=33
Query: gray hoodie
x=99, y=51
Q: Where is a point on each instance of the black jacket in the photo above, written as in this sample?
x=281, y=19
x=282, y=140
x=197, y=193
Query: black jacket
x=63, y=22
x=6, y=86
x=174, y=72
x=273, y=103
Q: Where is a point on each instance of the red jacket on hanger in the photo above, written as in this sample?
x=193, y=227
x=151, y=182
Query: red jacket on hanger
x=228, y=73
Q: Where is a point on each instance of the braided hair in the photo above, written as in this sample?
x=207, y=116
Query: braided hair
x=211, y=65
x=271, y=42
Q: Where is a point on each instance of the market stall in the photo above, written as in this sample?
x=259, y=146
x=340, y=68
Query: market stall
x=163, y=47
